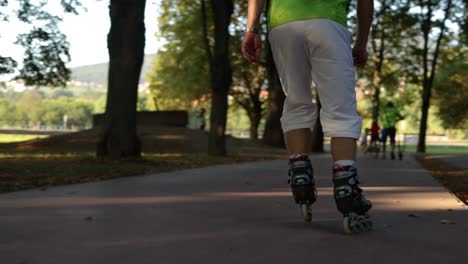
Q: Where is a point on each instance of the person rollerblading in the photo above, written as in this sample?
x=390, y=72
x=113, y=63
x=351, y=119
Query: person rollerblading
x=302, y=183
x=390, y=116
x=310, y=43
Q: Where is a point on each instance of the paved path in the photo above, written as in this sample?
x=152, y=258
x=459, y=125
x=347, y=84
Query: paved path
x=233, y=214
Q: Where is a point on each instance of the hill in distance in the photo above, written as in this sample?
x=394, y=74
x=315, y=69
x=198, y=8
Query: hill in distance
x=97, y=73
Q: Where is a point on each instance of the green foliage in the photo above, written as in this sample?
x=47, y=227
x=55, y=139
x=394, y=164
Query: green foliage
x=180, y=71
x=99, y=105
x=249, y=80
x=145, y=101
x=7, y=65
x=45, y=57
x=7, y=111
x=46, y=48
x=408, y=100
x=33, y=107
x=451, y=88
x=30, y=106
x=401, y=24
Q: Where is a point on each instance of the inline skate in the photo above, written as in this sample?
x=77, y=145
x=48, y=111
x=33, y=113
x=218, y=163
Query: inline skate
x=302, y=184
x=350, y=201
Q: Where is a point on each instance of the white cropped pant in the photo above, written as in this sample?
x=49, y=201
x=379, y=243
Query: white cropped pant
x=319, y=51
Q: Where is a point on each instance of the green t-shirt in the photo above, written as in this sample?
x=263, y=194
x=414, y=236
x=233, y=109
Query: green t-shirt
x=284, y=11
x=390, y=116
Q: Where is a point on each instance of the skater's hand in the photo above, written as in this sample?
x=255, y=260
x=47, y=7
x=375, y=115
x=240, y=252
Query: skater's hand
x=252, y=47
x=359, y=56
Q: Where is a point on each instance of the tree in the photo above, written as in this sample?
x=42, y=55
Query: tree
x=388, y=62
x=273, y=132
x=180, y=72
x=126, y=42
x=249, y=80
x=451, y=88
x=46, y=48
x=430, y=53
x=7, y=112
x=220, y=71
x=29, y=107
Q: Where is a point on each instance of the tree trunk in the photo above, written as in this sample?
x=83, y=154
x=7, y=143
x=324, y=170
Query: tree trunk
x=273, y=133
x=424, y=115
x=376, y=97
x=221, y=76
x=428, y=78
x=317, y=133
x=254, y=119
x=378, y=62
x=126, y=41
x=253, y=133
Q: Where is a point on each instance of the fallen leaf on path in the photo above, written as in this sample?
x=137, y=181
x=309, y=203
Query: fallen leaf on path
x=447, y=222
x=413, y=216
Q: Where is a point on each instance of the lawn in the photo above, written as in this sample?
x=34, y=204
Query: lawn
x=11, y=138
x=437, y=149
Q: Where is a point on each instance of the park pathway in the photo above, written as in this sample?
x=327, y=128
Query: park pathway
x=233, y=214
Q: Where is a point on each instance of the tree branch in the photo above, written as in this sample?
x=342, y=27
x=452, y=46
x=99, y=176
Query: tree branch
x=205, y=32
x=439, y=40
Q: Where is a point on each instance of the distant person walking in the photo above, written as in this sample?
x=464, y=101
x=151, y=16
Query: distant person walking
x=389, y=116
x=310, y=41
x=202, y=119
x=364, y=137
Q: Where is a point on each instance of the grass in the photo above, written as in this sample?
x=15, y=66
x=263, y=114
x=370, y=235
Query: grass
x=436, y=149
x=12, y=138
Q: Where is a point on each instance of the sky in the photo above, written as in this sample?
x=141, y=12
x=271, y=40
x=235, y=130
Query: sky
x=86, y=32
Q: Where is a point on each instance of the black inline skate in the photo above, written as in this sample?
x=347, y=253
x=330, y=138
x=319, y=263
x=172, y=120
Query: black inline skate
x=350, y=201
x=302, y=184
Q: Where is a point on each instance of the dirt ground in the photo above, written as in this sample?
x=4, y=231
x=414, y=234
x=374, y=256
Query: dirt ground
x=69, y=158
x=453, y=178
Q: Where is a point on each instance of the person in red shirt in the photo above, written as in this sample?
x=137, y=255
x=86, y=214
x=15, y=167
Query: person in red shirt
x=375, y=130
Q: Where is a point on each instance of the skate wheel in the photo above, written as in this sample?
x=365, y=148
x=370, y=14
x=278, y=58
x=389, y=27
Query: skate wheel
x=356, y=224
x=306, y=212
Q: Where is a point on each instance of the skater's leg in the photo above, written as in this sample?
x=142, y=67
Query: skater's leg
x=392, y=135
x=299, y=112
x=385, y=135
x=334, y=77
x=343, y=148
x=301, y=176
x=298, y=141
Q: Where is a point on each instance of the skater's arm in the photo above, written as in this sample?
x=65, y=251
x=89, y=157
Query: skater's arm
x=254, y=13
x=252, y=46
x=365, y=12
